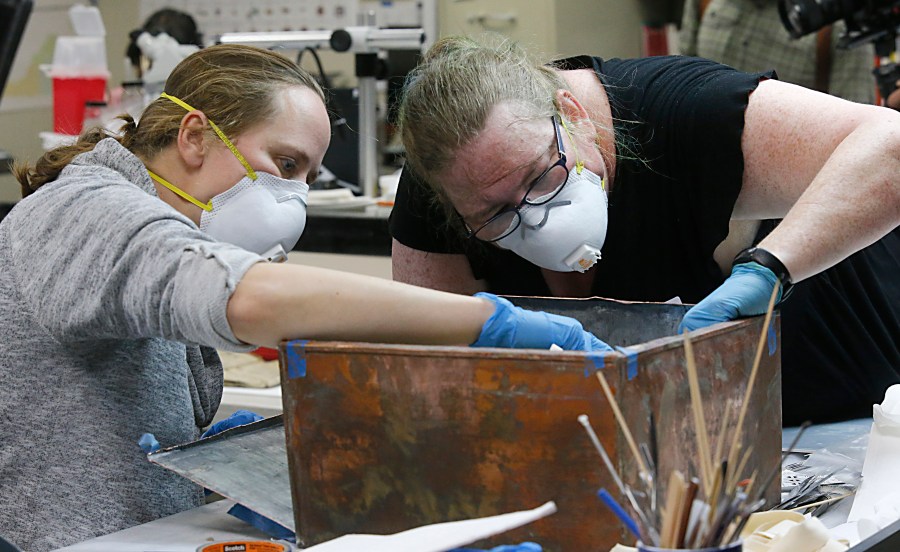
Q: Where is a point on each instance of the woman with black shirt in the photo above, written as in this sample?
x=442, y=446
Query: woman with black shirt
x=665, y=172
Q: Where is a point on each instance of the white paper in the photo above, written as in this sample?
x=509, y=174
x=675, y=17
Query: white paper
x=437, y=537
x=880, y=470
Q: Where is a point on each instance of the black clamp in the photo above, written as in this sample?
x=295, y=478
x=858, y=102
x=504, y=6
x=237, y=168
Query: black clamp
x=762, y=257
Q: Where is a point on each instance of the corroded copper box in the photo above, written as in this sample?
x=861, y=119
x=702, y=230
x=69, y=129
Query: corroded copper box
x=383, y=438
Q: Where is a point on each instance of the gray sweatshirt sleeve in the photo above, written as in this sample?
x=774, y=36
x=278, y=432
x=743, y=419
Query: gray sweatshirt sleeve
x=97, y=257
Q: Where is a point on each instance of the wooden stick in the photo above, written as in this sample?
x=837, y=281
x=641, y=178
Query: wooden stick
x=720, y=442
x=734, y=455
x=702, y=436
x=819, y=503
x=645, y=473
x=759, y=350
x=684, y=514
x=716, y=491
x=736, y=474
x=674, y=497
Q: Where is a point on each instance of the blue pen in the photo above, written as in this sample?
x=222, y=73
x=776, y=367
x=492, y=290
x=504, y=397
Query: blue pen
x=619, y=512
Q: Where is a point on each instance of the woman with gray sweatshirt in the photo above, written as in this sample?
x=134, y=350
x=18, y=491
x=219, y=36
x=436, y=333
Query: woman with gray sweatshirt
x=132, y=258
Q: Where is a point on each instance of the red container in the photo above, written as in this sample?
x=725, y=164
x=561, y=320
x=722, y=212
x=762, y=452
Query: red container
x=69, y=95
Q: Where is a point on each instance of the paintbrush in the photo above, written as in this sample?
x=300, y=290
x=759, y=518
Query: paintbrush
x=684, y=513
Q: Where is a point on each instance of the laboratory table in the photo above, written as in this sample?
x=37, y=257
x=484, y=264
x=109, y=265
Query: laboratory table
x=186, y=531
x=183, y=532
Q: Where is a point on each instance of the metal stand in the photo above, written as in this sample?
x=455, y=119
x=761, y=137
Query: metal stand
x=365, y=42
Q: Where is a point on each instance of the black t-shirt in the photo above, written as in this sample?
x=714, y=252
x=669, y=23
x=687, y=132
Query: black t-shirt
x=678, y=123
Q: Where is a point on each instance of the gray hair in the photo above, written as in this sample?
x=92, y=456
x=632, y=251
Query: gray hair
x=449, y=96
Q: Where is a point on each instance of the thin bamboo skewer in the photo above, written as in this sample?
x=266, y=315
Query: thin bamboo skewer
x=717, y=490
x=759, y=350
x=720, y=442
x=819, y=503
x=674, y=497
x=645, y=473
x=735, y=477
x=699, y=420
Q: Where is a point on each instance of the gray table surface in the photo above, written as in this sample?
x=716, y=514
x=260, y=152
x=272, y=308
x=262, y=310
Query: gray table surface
x=183, y=532
x=186, y=531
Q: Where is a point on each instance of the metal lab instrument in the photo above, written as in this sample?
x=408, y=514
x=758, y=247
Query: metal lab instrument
x=364, y=42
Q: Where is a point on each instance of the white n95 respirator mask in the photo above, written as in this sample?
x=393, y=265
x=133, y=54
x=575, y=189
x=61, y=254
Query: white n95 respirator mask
x=567, y=233
x=266, y=216
x=262, y=213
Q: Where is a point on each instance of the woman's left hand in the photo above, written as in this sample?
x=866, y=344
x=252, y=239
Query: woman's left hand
x=745, y=293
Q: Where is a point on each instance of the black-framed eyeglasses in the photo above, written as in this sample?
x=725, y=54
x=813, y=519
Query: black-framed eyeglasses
x=544, y=188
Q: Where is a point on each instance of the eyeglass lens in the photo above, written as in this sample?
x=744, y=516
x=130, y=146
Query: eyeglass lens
x=543, y=191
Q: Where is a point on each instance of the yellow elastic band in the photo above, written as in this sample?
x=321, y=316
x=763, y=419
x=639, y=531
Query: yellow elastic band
x=205, y=206
x=579, y=165
x=250, y=172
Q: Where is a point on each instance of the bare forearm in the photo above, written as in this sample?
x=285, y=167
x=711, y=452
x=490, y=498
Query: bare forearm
x=853, y=201
x=446, y=272
x=276, y=302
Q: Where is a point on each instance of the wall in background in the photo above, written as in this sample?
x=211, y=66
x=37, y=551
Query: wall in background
x=554, y=27
x=27, y=106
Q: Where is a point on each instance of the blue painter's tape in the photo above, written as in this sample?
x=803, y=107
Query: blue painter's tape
x=595, y=362
x=296, y=358
x=773, y=339
x=631, y=357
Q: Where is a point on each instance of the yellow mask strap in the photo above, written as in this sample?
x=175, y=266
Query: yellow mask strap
x=579, y=164
x=205, y=206
x=250, y=172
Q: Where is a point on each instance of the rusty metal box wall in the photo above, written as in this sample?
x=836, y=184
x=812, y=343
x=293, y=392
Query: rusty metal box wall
x=383, y=438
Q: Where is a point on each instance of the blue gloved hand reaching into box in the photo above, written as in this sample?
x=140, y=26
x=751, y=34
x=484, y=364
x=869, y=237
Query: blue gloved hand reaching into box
x=514, y=327
x=745, y=293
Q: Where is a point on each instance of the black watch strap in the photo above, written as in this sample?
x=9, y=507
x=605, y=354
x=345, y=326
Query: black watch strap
x=762, y=257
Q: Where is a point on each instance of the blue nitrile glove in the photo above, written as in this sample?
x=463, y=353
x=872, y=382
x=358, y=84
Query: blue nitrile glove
x=524, y=547
x=239, y=418
x=148, y=443
x=514, y=327
x=745, y=293
x=264, y=524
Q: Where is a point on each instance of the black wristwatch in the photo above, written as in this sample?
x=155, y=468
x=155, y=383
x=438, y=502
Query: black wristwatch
x=762, y=257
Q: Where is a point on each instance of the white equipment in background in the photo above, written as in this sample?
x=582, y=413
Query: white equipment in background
x=365, y=42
